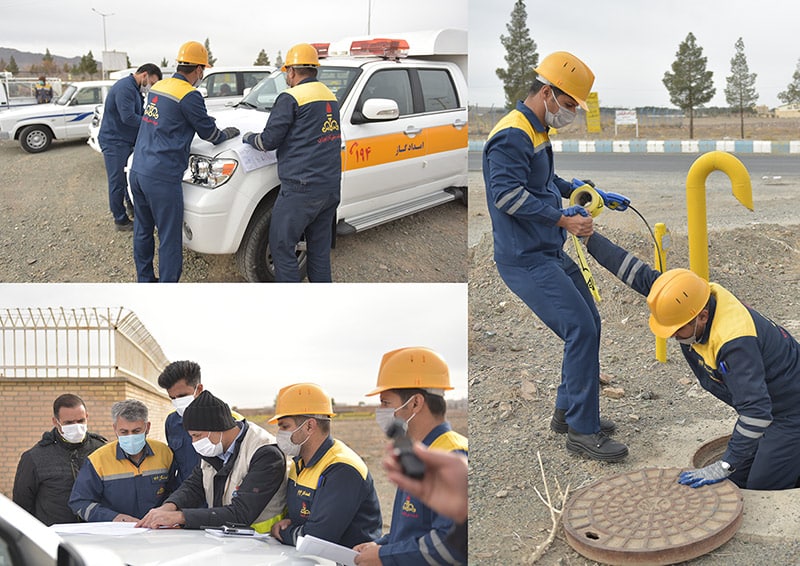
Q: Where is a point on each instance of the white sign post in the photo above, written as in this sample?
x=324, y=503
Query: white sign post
x=626, y=118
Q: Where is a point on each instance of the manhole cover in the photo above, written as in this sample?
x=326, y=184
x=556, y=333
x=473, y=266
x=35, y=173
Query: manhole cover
x=647, y=517
x=710, y=452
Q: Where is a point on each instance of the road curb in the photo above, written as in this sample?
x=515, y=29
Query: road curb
x=666, y=146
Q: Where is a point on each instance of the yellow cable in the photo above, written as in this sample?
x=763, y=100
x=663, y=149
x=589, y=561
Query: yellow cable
x=588, y=198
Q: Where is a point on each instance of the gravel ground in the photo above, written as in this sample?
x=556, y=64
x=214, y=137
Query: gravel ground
x=56, y=227
x=515, y=364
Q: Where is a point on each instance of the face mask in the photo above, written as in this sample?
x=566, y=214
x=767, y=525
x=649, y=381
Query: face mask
x=206, y=448
x=691, y=339
x=132, y=444
x=180, y=403
x=384, y=416
x=284, y=438
x=561, y=118
x=73, y=433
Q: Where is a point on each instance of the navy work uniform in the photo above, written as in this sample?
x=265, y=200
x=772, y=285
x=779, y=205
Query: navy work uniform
x=122, y=116
x=524, y=197
x=332, y=497
x=746, y=361
x=175, y=111
x=304, y=128
x=419, y=535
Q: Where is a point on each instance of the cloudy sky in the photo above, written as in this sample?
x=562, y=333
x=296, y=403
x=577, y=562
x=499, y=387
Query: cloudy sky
x=250, y=340
x=237, y=31
x=630, y=44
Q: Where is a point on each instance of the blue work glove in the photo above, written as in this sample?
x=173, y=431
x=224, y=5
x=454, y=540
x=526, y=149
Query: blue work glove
x=614, y=201
x=574, y=211
x=712, y=473
x=250, y=139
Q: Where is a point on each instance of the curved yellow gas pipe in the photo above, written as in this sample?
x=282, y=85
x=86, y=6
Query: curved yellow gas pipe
x=696, y=201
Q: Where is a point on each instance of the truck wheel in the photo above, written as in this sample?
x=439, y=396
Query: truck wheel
x=253, y=257
x=35, y=139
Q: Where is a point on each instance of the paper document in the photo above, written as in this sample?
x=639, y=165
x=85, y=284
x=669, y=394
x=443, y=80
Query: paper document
x=324, y=549
x=108, y=528
x=251, y=158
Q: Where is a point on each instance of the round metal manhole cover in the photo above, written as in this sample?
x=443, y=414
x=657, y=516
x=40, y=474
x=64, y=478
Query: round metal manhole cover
x=647, y=517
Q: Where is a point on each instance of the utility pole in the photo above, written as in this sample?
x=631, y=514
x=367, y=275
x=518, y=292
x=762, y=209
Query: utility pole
x=369, y=17
x=105, y=44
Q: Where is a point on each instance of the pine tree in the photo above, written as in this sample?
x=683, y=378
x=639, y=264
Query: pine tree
x=689, y=84
x=164, y=62
x=3, y=64
x=211, y=59
x=48, y=64
x=12, y=66
x=741, y=92
x=792, y=93
x=88, y=65
x=279, y=60
x=521, y=56
x=262, y=59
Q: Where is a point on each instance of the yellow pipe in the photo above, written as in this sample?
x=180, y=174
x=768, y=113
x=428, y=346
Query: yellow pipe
x=660, y=248
x=696, y=201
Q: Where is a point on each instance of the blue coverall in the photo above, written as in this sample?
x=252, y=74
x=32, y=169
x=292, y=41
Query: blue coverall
x=746, y=361
x=418, y=534
x=304, y=128
x=122, y=115
x=524, y=197
x=179, y=441
x=175, y=111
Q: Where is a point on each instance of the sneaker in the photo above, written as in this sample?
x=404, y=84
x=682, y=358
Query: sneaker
x=596, y=446
x=559, y=423
x=124, y=226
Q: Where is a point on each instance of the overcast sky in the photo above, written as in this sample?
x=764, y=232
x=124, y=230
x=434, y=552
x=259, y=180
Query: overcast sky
x=250, y=340
x=630, y=44
x=237, y=31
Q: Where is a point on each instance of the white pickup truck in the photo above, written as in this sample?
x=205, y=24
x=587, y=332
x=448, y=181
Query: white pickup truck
x=68, y=117
x=404, y=147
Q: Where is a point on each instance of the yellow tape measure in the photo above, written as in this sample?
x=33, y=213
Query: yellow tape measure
x=588, y=198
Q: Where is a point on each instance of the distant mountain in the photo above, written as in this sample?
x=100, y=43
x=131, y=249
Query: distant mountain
x=25, y=59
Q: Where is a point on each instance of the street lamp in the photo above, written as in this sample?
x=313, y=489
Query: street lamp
x=105, y=45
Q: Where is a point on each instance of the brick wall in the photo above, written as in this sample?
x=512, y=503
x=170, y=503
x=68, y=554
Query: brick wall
x=27, y=410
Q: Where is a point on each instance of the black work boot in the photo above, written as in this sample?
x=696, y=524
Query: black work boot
x=596, y=446
x=559, y=423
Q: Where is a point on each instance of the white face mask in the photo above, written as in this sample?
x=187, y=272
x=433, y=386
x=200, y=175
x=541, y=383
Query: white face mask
x=180, y=403
x=561, y=118
x=74, y=433
x=691, y=339
x=384, y=416
x=284, y=440
x=206, y=448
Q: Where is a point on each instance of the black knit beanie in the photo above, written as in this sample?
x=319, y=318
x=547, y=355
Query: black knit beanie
x=207, y=412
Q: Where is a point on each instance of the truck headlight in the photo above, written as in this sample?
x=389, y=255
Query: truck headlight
x=209, y=172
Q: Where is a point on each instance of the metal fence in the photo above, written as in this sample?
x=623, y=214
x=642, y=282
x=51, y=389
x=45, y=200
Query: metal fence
x=81, y=343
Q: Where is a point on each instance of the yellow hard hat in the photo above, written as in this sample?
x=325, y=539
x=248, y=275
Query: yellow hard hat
x=301, y=55
x=193, y=53
x=413, y=368
x=302, y=399
x=675, y=298
x=568, y=73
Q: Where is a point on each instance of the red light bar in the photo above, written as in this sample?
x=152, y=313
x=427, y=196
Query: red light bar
x=380, y=48
x=322, y=49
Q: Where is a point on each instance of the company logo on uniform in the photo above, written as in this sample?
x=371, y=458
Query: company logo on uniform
x=151, y=112
x=330, y=124
x=304, y=510
x=303, y=493
x=409, y=509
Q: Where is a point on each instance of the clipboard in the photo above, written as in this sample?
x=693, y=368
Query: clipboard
x=308, y=544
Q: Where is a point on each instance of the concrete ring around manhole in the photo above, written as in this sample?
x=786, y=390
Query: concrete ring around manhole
x=646, y=517
x=710, y=452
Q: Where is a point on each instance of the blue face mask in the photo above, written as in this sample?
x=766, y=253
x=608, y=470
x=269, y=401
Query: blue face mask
x=132, y=443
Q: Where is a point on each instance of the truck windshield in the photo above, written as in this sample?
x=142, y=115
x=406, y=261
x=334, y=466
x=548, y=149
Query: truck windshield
x=67, y=94
x=263, y=95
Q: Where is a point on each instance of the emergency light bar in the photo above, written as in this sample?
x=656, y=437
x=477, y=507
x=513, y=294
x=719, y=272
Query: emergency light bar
x=389, y=48
x=322, y=49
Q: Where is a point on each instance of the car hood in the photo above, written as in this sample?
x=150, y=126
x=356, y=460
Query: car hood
x=246, y=119
x=14, y=115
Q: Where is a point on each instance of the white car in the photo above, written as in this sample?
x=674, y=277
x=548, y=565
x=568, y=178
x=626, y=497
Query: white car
x=36, y=126
x=24, y=541
x=404, y=149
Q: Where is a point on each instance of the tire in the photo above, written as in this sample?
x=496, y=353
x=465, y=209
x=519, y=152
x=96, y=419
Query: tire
x=253, y=257
x=35, y=139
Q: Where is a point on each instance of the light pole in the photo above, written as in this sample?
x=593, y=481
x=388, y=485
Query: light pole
x=105, y=45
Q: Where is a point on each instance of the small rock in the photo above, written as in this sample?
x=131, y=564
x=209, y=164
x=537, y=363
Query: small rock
x=606, y=378
x=633, y=417
x=502, y=494
x=32, y=261
x=516, y=348
x=614, y=392
x=529, y=390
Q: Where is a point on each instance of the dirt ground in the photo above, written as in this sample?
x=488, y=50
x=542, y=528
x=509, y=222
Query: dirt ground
x=515, y=361
x=365, y=437
x=56, y=227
